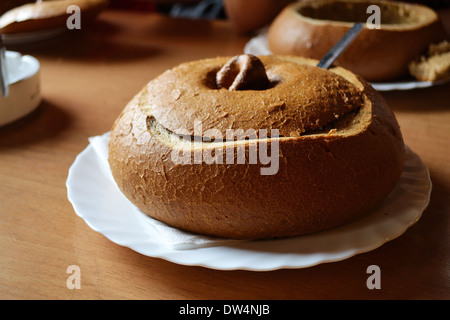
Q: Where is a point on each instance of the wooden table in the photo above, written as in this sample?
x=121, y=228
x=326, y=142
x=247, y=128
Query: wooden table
x=87, y=78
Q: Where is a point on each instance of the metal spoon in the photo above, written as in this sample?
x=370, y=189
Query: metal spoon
x=339, y=47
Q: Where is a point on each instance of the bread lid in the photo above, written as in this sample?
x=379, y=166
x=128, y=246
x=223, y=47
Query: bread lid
x=295, y=98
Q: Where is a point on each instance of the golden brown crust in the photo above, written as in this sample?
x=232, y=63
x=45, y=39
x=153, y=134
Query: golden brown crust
x=49, y=14
x=433, y=66
x=324, y=179
x=376, y=54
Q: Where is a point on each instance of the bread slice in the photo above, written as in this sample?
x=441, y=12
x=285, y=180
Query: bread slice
x=433, y=66
x=310, y=28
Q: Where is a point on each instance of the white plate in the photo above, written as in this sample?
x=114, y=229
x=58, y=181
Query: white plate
x=96, y=199
x=258, y=46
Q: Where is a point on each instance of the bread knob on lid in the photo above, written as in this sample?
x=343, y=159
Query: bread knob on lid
x=338, y=154
x=241, y=73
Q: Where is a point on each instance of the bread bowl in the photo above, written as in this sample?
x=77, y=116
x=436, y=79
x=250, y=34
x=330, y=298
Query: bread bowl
x=311, y=28
x=338, y=151
x=48, y=14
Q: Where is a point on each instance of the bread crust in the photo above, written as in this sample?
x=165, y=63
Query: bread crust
x=47, y=15
x=376, y=54
x=324, y=180
x=184, y=87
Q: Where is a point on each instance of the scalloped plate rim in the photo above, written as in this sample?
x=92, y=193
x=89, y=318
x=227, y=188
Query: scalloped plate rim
x=199, y=257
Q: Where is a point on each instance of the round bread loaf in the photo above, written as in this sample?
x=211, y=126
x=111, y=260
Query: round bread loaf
x=48, y=14
x=311, y=28
x=256, y=147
